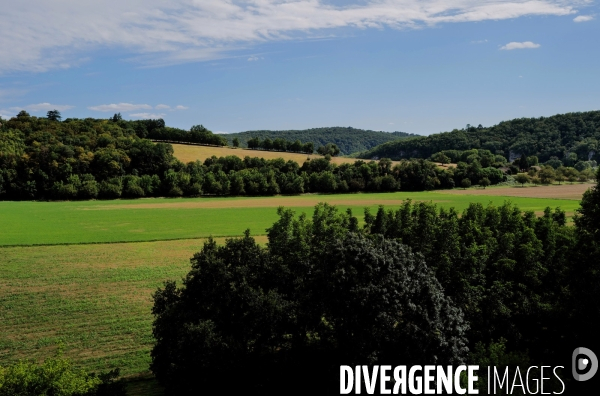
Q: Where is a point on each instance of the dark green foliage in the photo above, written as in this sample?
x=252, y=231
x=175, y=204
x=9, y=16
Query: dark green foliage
x=523, y=163
x=278, y=144
x=156, y=129
x=441, y=157
x=586, y=271
x=417, y=284
x=498, y=264
x=546, y=137
x=329, y=149
x=107, y=159
x=321, y=294
x=484, y=182
x=57, y=377
x=54, y=115
x=349, y=140
x=522, y=178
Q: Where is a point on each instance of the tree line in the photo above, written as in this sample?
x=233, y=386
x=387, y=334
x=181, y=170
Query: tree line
x=42, y=158
x=493, y=286
x=278, y=144
x=570, y=138
x=349, y=140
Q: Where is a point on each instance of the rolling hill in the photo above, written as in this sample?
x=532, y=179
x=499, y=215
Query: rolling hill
x=563, y=136
x=349, y=140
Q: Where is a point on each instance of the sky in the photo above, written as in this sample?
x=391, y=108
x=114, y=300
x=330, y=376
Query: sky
x=418, y=66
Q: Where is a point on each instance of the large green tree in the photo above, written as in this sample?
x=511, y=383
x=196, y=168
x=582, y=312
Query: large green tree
x=585, y=276
x=321, y=294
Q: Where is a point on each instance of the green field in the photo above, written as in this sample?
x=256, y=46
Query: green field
x=79, y=289
x=35, y=223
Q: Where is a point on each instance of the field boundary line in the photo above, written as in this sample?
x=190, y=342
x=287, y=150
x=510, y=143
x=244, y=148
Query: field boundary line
x=120, y=242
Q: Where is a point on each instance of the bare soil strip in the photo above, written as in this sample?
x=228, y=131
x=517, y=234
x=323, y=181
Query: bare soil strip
x=259, y=202
x=564, y=191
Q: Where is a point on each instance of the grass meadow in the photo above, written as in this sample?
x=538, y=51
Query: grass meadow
x=93, y=300
x=50, y=223
x=64, y=282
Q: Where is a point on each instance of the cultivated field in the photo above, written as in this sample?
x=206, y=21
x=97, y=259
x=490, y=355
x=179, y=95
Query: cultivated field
x=49, y=223
x=187, y=153
x=564, y=191
x=95, y=300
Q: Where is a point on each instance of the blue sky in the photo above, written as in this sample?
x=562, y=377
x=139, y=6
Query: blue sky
x=394, y=65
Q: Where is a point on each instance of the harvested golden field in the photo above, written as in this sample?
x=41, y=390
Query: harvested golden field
x=187, y=153
x=445, y=166
x=564, y=191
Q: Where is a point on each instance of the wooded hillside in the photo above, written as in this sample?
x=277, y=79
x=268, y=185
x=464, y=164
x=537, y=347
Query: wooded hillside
x=349, y=140
x=562, y=136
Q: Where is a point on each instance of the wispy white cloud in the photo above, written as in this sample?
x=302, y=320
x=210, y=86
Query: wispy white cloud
x=38, y=35
x=118, y=107
x=583, y=18
x=147, y=115
x=128, y=107
x=520, y=45
x=9, y=94
x=254, y=58
x=479, y=41
x=43, y=107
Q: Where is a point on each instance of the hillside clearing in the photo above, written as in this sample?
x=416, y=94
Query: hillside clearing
x=189, y=153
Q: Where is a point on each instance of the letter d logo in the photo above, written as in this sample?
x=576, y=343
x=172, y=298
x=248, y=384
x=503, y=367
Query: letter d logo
x=583, y=363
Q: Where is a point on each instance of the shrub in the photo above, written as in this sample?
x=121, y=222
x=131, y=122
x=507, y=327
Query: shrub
x=134, y=191
x=57, y=377
x=110, y=189
x=89, y=189
x=61, y=190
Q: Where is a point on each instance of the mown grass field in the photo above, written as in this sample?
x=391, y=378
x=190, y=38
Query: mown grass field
x=94, y=296
x=94, y=300
x=35, y=223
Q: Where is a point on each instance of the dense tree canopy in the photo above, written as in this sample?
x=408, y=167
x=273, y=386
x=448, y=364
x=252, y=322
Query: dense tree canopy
x=489, y=286
x=569, y=137
x=279, y=144
x=349, y=140
x=156, y=130
x=83, y=159
x=320, y=294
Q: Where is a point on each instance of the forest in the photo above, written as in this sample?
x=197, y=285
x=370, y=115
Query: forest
x=349, y=140
x=45, y=158
x=491, y=286
x=570, y=138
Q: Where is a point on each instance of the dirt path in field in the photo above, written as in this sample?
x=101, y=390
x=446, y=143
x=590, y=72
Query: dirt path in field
x=258, y=202
x=565, y=191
